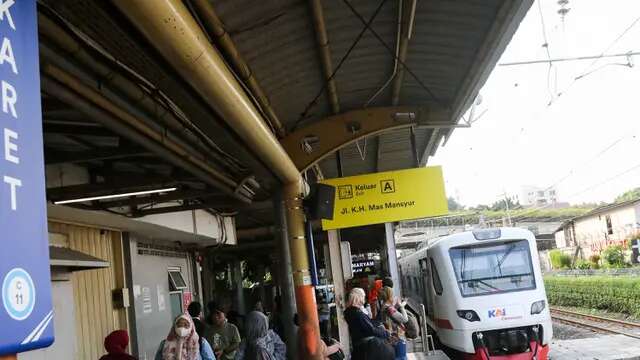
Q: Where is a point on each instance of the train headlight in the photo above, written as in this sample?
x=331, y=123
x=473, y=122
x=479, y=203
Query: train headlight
x=468, y=315
x=487, y=234
x=538, y=306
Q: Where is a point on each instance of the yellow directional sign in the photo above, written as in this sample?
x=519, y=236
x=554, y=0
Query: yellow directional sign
x=387, y=197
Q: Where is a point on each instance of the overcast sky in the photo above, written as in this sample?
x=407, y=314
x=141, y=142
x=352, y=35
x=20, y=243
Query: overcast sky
x=591, y=131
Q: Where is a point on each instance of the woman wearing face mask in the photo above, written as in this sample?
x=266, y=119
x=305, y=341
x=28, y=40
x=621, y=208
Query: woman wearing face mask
x=181, y=343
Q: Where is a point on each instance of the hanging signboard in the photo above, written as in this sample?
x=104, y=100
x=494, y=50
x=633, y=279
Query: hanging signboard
x=387, y=197
x=366, y=267
x=26, y=314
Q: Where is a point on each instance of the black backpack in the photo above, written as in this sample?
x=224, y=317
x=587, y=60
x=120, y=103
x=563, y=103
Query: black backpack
x=337, y=355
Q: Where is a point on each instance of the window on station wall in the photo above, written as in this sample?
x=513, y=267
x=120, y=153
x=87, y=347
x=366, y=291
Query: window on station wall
x=609, y=225
x=176, y=281
x=176, y=285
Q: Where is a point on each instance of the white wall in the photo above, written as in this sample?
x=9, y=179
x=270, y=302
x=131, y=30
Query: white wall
x=591, y=233
x=150, y=291
x=561, y=240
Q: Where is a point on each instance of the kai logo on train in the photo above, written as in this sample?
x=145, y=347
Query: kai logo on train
x=499, y=312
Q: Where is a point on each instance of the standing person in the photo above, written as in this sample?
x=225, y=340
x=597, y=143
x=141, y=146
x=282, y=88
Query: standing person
x=258, y=306
x=369, y=341
x=394, y=316
x=222, y=335
x=373, y=297
x=195, y=310
x=260, y=342
x=181, y=343
x=275, y=322
x=116, y=345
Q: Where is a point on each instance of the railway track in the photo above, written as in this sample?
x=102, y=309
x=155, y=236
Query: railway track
x=596, y=323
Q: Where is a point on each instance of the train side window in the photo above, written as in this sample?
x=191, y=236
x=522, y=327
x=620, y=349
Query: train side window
x=437, y=284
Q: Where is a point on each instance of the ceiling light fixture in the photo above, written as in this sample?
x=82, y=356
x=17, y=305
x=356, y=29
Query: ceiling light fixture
x=113, y=196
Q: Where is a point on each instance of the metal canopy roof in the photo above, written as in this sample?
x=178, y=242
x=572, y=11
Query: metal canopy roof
x=452, y=47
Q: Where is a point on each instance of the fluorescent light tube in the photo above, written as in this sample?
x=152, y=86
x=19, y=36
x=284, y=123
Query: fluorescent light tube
x=113, y=196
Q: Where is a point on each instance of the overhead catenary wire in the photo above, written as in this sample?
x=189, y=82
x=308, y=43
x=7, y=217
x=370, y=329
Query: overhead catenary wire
x=589, y=188
x=546, y=47
x=595, y=60
x=574, y=58
x=571, y=172
x=582, y=74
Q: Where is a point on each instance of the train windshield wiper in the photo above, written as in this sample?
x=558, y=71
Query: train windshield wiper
x=504, y=257
x=482, y=282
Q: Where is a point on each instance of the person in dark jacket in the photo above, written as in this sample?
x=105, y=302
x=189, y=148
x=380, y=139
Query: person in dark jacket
x=369, y=341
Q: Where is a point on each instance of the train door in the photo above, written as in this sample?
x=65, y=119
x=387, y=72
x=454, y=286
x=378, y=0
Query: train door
x=427, y=286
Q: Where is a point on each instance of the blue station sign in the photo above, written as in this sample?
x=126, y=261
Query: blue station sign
x=26, y=315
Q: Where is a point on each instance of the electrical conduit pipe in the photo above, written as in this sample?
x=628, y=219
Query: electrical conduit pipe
x=169, y=26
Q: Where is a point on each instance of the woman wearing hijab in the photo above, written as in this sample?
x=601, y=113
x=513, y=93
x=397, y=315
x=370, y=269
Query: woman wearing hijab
x=260, y=343
x=116, y=345
x=182, y=343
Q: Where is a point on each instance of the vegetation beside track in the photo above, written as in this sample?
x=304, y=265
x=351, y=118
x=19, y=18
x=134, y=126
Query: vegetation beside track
x=614, y=294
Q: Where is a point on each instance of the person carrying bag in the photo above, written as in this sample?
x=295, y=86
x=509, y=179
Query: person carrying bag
x=394, y=317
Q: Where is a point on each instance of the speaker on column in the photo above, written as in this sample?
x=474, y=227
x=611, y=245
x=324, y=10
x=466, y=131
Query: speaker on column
x=320, y=202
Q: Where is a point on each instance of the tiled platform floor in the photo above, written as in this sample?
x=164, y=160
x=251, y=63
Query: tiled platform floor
x=606, y=347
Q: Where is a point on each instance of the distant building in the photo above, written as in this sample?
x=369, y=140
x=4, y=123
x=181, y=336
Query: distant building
x=607, y=225
x=537, y=196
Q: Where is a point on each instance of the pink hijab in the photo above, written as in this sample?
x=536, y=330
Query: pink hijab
x=176, y=348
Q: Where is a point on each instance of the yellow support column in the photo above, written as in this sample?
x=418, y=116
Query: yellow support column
x=309, y=346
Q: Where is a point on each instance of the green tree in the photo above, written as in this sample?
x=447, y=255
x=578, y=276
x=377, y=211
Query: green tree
x=454, y=205
x=633, y=194
x=501, y=205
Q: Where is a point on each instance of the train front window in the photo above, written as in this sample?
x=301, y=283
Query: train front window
x=493, y=269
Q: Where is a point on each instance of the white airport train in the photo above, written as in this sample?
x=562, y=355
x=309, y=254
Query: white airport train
x=483, y=293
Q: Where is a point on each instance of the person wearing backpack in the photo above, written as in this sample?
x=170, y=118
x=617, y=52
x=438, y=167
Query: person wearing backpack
x=394, y=317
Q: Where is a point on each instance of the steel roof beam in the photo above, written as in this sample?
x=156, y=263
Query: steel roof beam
x=309, y=145
x=71, y=157
x=200, y=205
x=325, y=53
x=76, y=130
x=430, y=148
x=408, y=18
x=159, y=199
x=109, y=188
x=214, y=26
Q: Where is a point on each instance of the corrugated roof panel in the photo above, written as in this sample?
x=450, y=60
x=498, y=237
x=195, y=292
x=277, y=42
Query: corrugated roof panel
x=277, y=40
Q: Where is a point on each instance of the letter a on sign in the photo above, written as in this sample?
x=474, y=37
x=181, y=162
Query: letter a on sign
x=387, y=186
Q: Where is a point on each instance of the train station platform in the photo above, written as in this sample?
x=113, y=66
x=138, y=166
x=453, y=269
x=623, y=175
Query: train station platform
x=607, y=347
x=436, y=355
